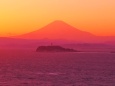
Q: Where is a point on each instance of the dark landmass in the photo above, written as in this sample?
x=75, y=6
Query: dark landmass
x=54, y=49
x=112, y=52
x=32, y=44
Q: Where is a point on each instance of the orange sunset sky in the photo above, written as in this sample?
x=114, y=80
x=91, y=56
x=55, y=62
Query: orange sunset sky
x=22, y=16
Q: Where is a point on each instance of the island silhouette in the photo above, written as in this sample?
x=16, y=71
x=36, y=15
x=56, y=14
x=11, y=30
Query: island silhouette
x=53, y=48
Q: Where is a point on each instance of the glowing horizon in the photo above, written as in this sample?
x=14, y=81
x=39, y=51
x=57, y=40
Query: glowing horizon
x=22, y=16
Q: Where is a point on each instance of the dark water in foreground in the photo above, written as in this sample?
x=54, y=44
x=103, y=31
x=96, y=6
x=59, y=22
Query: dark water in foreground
x=25, y=68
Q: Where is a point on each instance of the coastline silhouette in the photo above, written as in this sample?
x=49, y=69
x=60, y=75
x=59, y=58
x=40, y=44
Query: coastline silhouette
x=53, y=48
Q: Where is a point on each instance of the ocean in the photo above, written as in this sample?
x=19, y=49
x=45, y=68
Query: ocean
x=30, y=68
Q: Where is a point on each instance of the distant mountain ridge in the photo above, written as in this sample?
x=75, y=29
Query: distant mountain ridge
x=59, y=30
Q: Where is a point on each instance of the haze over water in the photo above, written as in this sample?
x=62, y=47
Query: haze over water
x=28, y=68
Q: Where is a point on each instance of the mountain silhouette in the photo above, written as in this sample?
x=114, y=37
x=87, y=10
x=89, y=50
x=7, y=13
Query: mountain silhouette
x=59, y=30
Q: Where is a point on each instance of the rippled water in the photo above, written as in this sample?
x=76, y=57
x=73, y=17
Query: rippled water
x=28, y=68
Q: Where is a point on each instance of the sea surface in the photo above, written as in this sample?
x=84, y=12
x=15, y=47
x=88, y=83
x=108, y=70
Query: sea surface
x=29, y=68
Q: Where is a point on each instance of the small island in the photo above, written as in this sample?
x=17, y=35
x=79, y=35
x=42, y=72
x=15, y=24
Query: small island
x=54, y=49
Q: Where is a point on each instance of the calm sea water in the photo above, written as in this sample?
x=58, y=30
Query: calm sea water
x=29, y=68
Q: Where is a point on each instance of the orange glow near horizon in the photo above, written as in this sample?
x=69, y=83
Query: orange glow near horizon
x=22, y=16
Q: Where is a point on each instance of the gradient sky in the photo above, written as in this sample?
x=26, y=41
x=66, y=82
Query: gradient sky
x=22, y=16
